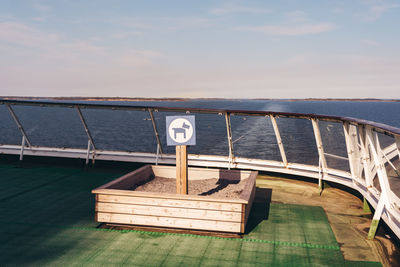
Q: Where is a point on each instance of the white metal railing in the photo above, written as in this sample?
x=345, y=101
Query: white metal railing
x=368, y=161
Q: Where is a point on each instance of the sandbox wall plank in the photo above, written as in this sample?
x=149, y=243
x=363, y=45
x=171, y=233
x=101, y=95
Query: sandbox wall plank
x=249, y=205
x=228, y=216
x=166, y=196
x=166, y=202
x=130, y=179
x=187, y=223
x=250, y=185
x=117, y=203
x=198, y=173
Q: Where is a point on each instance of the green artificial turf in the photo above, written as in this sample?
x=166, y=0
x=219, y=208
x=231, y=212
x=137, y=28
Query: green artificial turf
x=47, y=218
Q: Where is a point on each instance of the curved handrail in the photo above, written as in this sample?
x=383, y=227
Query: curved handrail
x=383, y=128
x=368, y=161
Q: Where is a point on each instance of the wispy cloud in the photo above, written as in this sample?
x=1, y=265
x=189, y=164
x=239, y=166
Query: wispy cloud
x=231, y=9
x=133, y=57
x=40, y=19
x=172, y=24
x=21, y=34
x=40, y=42
x=42, y=10
x=125, y=34
x=370, y=42
x=41, y=7
x=296, y=16
x=376, y=9
x=294, y=30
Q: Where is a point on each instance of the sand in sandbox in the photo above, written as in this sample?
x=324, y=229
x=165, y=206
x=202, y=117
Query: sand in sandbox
x=219, y=188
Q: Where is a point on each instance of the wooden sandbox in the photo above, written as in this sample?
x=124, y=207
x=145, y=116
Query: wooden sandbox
x=118, y=202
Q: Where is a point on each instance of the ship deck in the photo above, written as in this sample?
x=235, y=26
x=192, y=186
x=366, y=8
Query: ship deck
x=47, y=218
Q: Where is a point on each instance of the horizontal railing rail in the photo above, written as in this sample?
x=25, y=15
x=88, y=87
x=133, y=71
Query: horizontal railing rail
x=373, y=168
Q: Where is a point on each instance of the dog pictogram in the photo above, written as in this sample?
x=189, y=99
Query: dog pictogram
x=181, y=130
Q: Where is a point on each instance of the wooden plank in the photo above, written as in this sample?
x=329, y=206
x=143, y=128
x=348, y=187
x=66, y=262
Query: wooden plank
x=169, y=222
x=130, y=179
x=165, y=202
x=166, y=196
x=95, y=207
x=195, y=173
x=229, y=216
x=248, y=206
x=250, y=185
x=115, y=226
x=181, y=170
x=242, y=220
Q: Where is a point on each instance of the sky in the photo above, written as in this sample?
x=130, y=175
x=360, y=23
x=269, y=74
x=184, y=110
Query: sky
x=228, y=49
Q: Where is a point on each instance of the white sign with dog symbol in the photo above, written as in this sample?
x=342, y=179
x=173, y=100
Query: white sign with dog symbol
x=181, y=130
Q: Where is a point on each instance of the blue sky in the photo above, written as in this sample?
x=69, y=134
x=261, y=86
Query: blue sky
x=233, y=49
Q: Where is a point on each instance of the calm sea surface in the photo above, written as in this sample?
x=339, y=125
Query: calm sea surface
x=253, y=136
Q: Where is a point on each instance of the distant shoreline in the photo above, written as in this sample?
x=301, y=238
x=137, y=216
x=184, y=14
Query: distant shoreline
x=185, y=99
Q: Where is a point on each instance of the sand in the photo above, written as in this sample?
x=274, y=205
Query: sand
x=209, y=187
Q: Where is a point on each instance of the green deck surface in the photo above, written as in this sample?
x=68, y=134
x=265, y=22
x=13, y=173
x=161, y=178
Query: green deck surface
x=47, y=218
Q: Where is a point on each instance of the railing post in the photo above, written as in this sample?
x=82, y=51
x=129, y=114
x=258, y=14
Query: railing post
x=153, y=122
x=90, y=139
x=353, y=151
x=376, y=219
x=397, y=138
x=229, y=135
x=158, y=153
x=279, y=140
x=385, y=199
x=320, y=147
x=18, y=124
x=365, y=154
x=21, y=154
x=88, y=152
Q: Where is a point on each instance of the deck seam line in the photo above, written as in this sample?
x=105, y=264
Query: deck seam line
x=274, y=242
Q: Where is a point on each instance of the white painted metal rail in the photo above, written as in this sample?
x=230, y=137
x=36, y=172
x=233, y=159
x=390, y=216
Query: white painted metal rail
x=369, y=162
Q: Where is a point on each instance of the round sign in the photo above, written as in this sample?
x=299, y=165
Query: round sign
x=180, y=130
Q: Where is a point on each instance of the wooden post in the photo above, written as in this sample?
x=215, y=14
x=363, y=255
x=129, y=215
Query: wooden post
x=181, y=170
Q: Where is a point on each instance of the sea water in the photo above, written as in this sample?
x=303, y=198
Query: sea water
x=253, y=137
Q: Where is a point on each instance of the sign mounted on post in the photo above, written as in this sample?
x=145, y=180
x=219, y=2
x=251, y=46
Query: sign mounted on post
x=181, y=130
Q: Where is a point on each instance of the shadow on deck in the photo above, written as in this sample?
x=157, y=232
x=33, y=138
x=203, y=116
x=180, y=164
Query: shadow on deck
x=46, y=218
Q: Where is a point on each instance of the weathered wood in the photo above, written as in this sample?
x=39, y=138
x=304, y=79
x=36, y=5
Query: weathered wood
x=165, y=202
x=249, y=187
x=249, y=205
x=198, y=173
x=169, y=222
x=181, y=170
x=165, y=195
x=95, y=208
x=129, y=180
x=168, y=230
x=133, y=209
x=242, y=219
x=116, y=203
